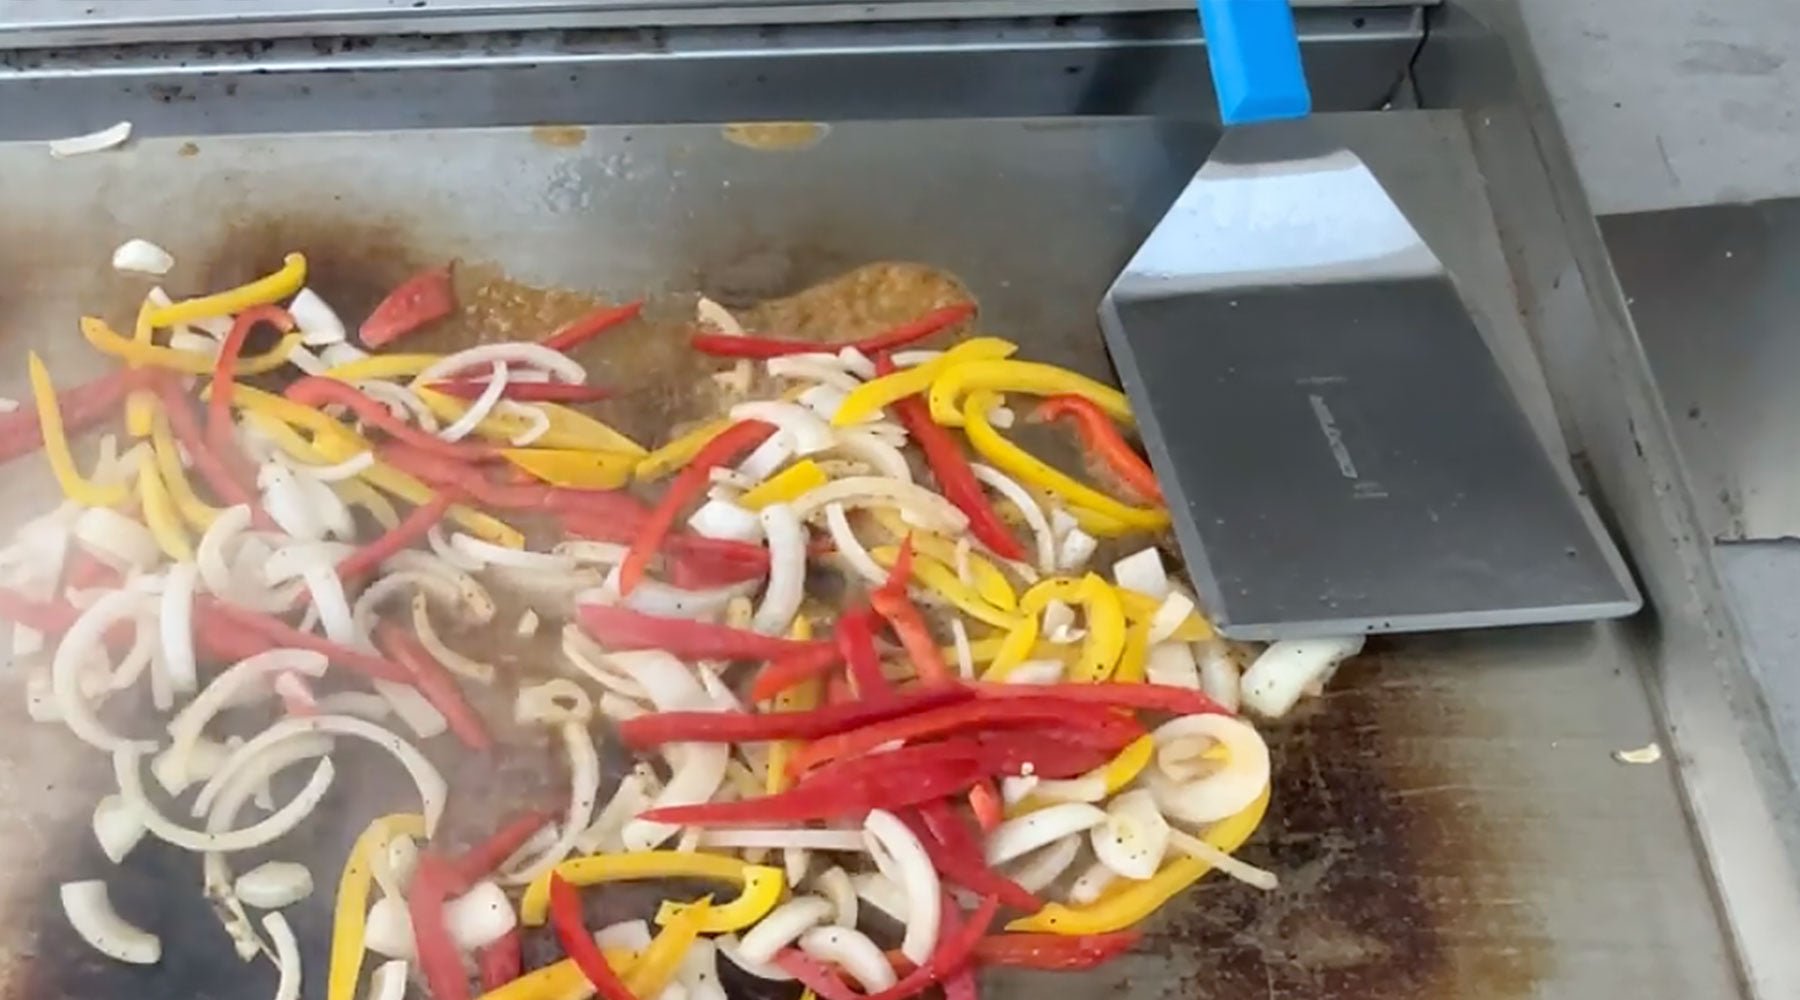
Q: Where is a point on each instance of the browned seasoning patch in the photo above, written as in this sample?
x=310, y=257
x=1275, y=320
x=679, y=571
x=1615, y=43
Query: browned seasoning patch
x=187, y=149
x=559, y=136
x=775, y=137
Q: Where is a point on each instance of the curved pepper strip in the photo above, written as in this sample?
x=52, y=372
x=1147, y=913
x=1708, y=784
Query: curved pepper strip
x=138, y=414
x=991, y=584
x=269, y=288
x=219, y=430
x=196, y=512
x=575, y=468
x=1089, y=520
x=689, y=484
x=382, y=367
x=317, y=392
x=108, y=341
x=873, y=396
x=799, y=698
x=679, y=452
x=1105, y=639
x=1134, y=660
x=1033, y=471
x=568, y=428
x=75, y=486
x=1129, y=902
x=1142, y=607
x=936, y=576
x=657, y=966
x=763, y=885
x=785, y=486
x=1015, y=649
x=753, y=346
x=1115, y=774
x=160, y=515
x=336, y=448
x=352, y=905
x=1099, y=437
x=1033, y=378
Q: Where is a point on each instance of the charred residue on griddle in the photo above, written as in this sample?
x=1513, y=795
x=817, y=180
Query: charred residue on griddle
x=559, y=136
x=1377, y=897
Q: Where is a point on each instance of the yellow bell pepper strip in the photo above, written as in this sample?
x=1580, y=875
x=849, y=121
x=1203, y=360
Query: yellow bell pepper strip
x=1015, y=649
x=352, y=905
x=1122, y=770
x=656, y=967
x=877, y=394
x=569, y=428
x=358, y=493
x=989, y=582
x=1105, y=639
x=593, y=470
x=562, y=980
x=1129, y=902
x=382, y=367
x=108, y=341
x=1134, y=660
x=1029, y=377
x=1033, y=471
x=1092, y=521
x=160, y=515
x=679, y=452
x=763, y=886
x=785, y=486
x=75, y=486
x=328, y=433
x=936, y=576
x=383, y=476
x=986, y=648
x=139, y=402
x=196, y=512
x=1141, y=607
x=798, y=698
x=266, y=289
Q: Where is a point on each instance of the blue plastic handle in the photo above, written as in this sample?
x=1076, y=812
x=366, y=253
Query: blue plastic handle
x=1255, y=55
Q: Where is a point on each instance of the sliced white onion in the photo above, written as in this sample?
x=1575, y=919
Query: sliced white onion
x=117, y=540
x=176, y=617
x=854, y=953
x=1058, y=624
x=584, y=791
x=271, y=827
x=317, y=322
x=475, y=604
x=697, y=770
x=1021, y=835
x=1144, y=572
x=1243, y=871
x=1219, y=677
x=699, y=972
x=395, y=864
x=1092, y=883
x=91, y=913
x=880, y=455
x=1292, y=667
x=288, y=503
x=143, y=257
x=783, y=926
x=590, y=659
x=626, y=935
x=177, y=767
x=432, y=789
x=387, y=930
x=1186, y=782
x=920, y=506
x=538, y=421
x=965, y=654
x=603, y=553
x=274, y=884
x=724, y=519
x=336, y=472
x=728, y=946
x=117, y=827
x=362, y=704
x=553, y=702
x=1016, y=788
x=480, y=916
x=91, y=142
x=400, y=401
x=400, y=582
x=1134, y=837
x=808, y=838
x=243, y=681
x=765, y=458
x=1172, y=664
x=1045, y=865
x=1029, y=509
x=822, y=368
x=478, y=410
x=80, y=646
x=835, y=885
x=457, y=663
x=918, y=878
x=524, y=354
x=850, y=548
x=200, y=343
x=879, y=891
x=412, y=708
x=489, y=554
x=214, y=556
x=826, y=400
x=1036, y=672
x=787, y=570
x=342, y=354
x=1174, y=610
x=388, y=982
x=808, y=434
x=1076, y=549
x=665, y=679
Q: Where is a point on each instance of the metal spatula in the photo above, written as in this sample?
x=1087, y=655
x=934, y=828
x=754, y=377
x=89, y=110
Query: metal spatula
x=1338, y=445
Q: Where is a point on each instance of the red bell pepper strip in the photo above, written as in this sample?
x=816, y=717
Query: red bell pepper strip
x=420, y=300
x=1057, y=952
x=1099, y=436
x=689, y=484
x=214, y=614
x=909, y=625
x=950, y=467
x=855, y=637
x=658, y=728
x=621, y=628
x=500, y=962
x=571, y=930
x=317, y=391
x=912, y=775
x=693, y=561
x=84, y=571
x=525, y=392
x=725, y=346
x=955, y=950
x=485, y=858
x=1156, y=697
x=411, y=529
x=434, y=883
x=955, y=854
x=224, y=377
x=225, y=470
x=82, y=407
x=439, y=470
x=979, y=716
x=584, y=328
x=53, y=616
x=785, y=672
x=1052, y=752
x=229, y=644
x=435, y=682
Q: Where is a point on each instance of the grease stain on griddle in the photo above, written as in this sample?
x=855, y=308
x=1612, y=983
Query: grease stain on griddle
x=559, y=136
x=775, y=137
